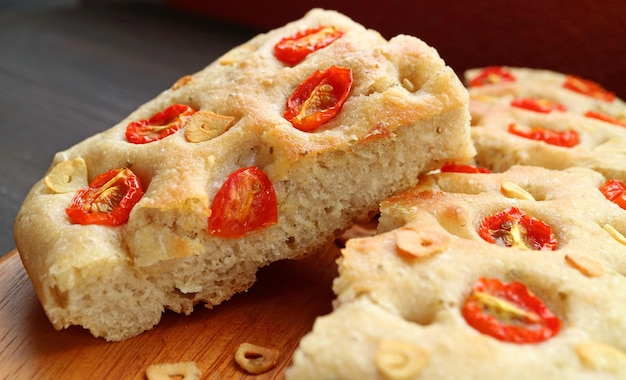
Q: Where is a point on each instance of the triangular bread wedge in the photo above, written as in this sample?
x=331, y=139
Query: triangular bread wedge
x=405, y=113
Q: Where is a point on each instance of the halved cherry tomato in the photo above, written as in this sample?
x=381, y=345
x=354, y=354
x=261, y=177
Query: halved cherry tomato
x=606, y=118
x=509, y=312
x=492, y=75
x=245, y=202
x=293, y=49
x=463, y=168
x=587, y=87
x=568, y=138
x=538, y=105
x=511, y=227
x=107, y=200
x=318, y=98
x=160, y=125
x=615, y=191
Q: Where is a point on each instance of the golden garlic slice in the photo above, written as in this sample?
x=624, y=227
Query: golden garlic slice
x=585, y=265
x=601, y=356
x=414, y=243
x=513, y=190
x=206, y=125
x=615, y=234
x=183, y=81
x=168, y=371
x=256, y=359
x=67, y=176
x=397, y=360
x=408, y=85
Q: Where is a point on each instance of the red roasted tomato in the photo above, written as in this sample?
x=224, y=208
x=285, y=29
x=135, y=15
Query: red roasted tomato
x=538, y=105
x=107, y=200
x=319, y=98
x=567, y=139
x=160, y=125
x=509, y=312
x=293, y=49
x=245, y=202
x=587, y=87
x=513, y=228
x=491, y=75
x=463, y=168
x=605, y=118
x=615, y=191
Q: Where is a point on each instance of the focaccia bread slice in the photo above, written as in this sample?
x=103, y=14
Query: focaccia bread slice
x=402, y=295
x=588, y=122
x=269, y=159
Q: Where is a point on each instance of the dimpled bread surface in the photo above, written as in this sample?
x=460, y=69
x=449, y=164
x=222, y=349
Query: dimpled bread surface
x=397, y=314
x=602, y=144
x=406, y=114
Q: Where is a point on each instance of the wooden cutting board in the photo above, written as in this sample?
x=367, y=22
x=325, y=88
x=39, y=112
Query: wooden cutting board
x=276, y=312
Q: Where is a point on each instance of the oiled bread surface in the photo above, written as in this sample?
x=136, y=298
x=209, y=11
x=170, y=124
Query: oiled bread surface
x=391, y=303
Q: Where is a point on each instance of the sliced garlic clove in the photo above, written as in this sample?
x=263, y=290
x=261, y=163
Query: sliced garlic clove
x=256, y=359
x=168, y=371
x=602, y=357
x=513, y=190
x=414, y=243
x=183, y=81
x=206, y=125
x=67, y=176
x=397, y=360
x=585, y=265
x=615, y=234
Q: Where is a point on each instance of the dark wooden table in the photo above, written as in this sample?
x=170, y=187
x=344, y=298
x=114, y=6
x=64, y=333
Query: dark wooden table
x=66, y=74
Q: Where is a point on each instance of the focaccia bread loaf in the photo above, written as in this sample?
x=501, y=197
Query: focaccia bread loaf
x=591, y=120
x=285, y=191
x=403, y=295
